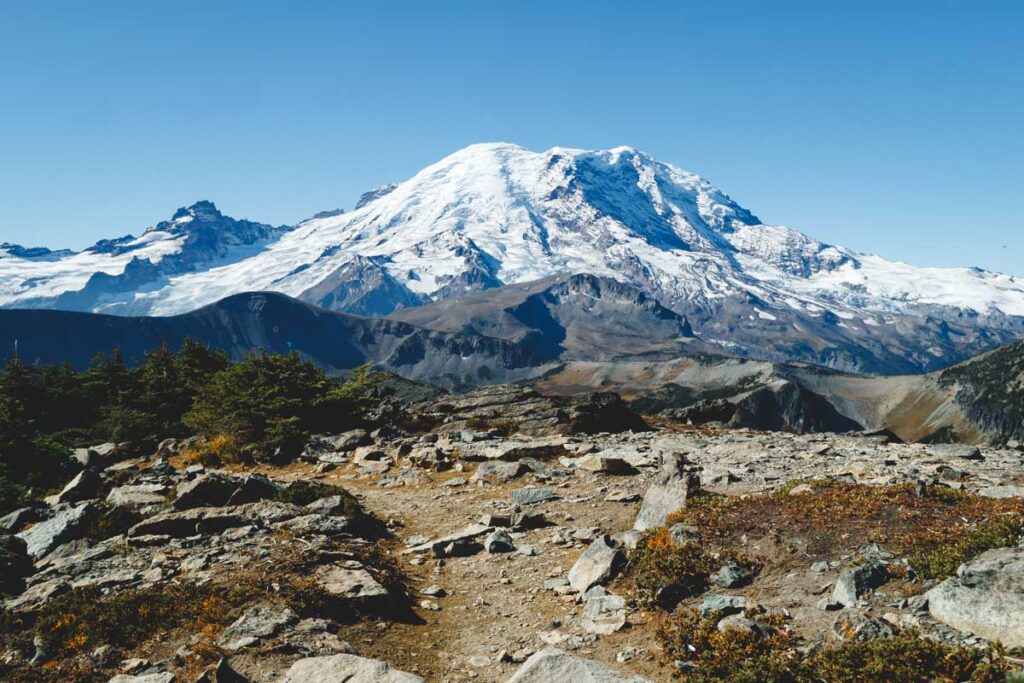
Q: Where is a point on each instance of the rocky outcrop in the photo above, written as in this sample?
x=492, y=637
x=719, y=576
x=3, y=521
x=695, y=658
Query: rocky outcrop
x=345, y=668
x=986, y=597
x=667, y=494
x=551, y=664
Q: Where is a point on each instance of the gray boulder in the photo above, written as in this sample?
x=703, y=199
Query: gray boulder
x=212, y=489
x=599, y=563
x=667, y=494
x=345, y=668
x=552, y=665
x=498, y=471
x=66, y=525
x=137, y=496
x=255, y=624
x=855, y=582
x=85, y=486
x=499, y=542
x=532, y=495
x=603, y=613
x=253, y=488
x=986, y=597
x=162, y=677
x=855, y=625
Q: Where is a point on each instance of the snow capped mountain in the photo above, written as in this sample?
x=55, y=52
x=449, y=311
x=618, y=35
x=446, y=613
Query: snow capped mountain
x=494, y=214
x=111, y=274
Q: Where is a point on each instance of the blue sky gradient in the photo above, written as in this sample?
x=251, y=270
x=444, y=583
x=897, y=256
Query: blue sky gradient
x=893, y=128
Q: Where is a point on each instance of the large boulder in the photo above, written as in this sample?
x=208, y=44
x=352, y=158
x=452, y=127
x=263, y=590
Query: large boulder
x=345, y=668
x=86, y=485
x=855, y=582
x=986, y=597
x=551, y=665
x=212, y=489
x=138, y=496
x=66, y=525
x=667, y=494
x=599, y=563
x=257, y=623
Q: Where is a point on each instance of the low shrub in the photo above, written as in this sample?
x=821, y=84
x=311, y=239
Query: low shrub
x=708, y=655
x=664, y=572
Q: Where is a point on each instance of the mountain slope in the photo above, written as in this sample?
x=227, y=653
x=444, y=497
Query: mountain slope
x=496, y=214
x=577, y=317
x=246, y=323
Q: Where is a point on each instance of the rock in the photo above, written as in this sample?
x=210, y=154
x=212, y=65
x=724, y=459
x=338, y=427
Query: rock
x=552, y=665
x=15, y=564
x=855, y=625
x=351, y=581
x=726, y=604
x=499, y=542
x=986, y=597
x=947, y=451
x=212, y=489
x=528, y=520
x=345, y=668
x=532, y=495
x=1007, y=491
x=510, y=451
x=254, y=487
x=599, y=563
x=603, y=613
x=183, y=523
x=738, y=622
x=64, y=526
x=162, y=677
x=137, y=496
x=85, y=486
x=15, y=521
x=854, y=582
x=606, y=464
x=256, y=623
x=437, y=546
x=673, y=484
x=731, y=575
x=331, y=505
x=223, y=673
x=498, y=472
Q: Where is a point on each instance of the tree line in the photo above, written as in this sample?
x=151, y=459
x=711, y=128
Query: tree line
x=264, y=406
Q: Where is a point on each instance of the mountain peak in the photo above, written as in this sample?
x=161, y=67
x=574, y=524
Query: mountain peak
x=204, y=209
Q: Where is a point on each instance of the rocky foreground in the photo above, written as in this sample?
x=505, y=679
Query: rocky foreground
x=516, y=541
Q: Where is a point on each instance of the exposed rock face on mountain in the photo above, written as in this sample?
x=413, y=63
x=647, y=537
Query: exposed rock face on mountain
x=498, y=214
x=976, y=401
x=577, y=317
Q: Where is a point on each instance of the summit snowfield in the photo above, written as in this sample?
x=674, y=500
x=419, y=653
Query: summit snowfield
x=498, y=214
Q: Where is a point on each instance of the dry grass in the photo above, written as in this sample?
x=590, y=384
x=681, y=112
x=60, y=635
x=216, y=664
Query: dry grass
x=937, y=531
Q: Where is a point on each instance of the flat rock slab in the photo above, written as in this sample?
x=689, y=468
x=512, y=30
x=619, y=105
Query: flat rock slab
x=470, y=533
x=350, y=581
x=345, y=668
x=59, y=529
x=510, y=451
x=531, y=495
x=552, y=665
x=986, y=597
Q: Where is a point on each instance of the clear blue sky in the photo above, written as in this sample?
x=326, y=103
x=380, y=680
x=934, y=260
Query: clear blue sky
x=889, y=127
